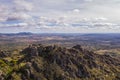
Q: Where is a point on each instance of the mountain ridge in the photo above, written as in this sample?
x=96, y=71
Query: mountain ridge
x=54, y=62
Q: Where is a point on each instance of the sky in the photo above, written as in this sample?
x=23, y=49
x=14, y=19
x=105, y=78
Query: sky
x=60, y=16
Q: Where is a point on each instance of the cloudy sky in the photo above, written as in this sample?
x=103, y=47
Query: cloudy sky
x=60, y=16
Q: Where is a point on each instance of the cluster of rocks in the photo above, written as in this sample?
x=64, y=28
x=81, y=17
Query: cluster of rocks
x=59, y=63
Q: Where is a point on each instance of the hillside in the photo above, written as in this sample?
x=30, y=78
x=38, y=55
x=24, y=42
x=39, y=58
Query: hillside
x=52, y=62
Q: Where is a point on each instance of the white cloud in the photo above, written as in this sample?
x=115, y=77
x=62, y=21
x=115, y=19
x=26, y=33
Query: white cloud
x=76, y=10
x=23, y=5
x=61, y=14
x=22, y=25
x=65, y=23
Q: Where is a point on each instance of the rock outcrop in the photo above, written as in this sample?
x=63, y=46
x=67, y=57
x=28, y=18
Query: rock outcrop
x=60, y=63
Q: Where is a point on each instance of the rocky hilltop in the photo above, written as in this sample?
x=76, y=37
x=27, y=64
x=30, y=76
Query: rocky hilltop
x=39, y=62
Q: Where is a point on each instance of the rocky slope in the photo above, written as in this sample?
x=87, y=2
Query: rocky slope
x=41, y=62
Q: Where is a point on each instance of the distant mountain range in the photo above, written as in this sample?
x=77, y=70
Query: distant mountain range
x=21, y=33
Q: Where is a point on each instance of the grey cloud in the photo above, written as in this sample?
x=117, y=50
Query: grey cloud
x=18, y=16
